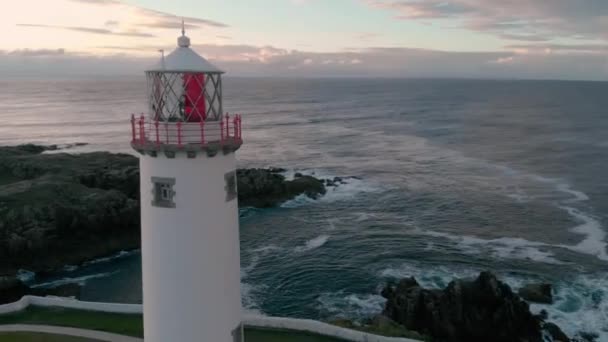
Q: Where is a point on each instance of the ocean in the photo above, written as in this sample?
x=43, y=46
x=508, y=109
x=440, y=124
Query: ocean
x=446, y=178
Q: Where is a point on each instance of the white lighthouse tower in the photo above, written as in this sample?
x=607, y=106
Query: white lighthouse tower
x=189, y=213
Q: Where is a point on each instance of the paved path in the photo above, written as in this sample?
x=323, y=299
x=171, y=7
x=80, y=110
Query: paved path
x=92, y=334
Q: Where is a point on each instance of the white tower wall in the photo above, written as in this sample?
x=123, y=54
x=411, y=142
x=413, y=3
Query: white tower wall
x=190, y=253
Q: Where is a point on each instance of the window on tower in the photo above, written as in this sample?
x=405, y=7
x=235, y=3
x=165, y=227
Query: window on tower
x=230, y=187
x=163, y=192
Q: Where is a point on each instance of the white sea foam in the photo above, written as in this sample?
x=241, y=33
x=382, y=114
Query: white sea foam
x=70, y=268
x=313, y=244
x=348, y=189
x=248, y=298
x=255, y=259
x=589, y=227
x=26, y=276
x=578, y=195
x=361, y=216
x=500, y=248
x=267, y=249
x=435, y=277
x=76, y=280
x=353, y=306
x=580, y=306
x=249, y=291
x=118, y=255
x=594, y=241
x=298, y=201
x=519, y=197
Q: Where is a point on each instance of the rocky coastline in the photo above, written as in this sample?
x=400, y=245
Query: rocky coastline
x=61, y=209
x=472, y=310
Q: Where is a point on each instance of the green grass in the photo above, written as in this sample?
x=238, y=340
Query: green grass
x=388, y=329
x=272, y=335
x=124, y=324
x=36, y=337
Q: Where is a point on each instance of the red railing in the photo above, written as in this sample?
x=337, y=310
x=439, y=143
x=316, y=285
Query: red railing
x=153, y=132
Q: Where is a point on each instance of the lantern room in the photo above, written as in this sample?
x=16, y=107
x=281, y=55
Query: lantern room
x=185, y=108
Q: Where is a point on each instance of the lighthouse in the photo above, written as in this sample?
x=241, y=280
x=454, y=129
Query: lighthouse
x=189, y=213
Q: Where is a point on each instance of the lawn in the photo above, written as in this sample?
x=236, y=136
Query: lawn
x=124, y=324
x=270, y=335
x=36, y=337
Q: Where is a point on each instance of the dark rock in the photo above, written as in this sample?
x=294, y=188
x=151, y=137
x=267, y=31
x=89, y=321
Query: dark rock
x=537, y=293
x=308, y=185
x=543, y=314
x=11, y=289
x=297, y=175
x=66, y=290
x=556, y=333
x=483, y=309
x=277, y=170
x=263, y=188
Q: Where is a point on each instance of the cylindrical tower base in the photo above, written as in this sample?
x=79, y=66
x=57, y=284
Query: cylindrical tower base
x=190, y=248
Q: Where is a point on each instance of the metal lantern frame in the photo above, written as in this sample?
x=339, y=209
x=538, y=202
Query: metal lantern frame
x=167, y=96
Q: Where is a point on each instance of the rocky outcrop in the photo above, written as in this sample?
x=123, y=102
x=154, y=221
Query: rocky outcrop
x=556, y=333
x=537, y=293
x=483, y=309
x=263, y=188
x=60, y=208
x=12, y=289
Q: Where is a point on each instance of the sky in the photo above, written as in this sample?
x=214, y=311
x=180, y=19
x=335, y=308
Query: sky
x=528, y=39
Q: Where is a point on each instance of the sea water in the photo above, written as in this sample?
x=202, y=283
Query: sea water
x=450, y=177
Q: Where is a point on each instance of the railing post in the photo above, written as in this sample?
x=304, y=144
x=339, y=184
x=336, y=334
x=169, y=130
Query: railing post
x=179, y=134
x=240, y=128
x=227, y=125
x=236, y=127
x=203, y=132
x=166, y=133
x=222, y=130
x=157, y=133
x=133, y=132
x=142, y=132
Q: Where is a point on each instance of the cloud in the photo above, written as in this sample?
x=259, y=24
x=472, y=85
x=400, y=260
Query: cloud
x=524, y=37
x=572, y=49
x=422, y=9
x=99, y=2
x=250, y=60
x=367, y=36
x=528, y=20
x=149, y=18
x=92, y=30
x=158, y=19
x=36, y=52
x=111, y=23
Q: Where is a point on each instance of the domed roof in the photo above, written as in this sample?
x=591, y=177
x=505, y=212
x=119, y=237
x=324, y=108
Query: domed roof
x=184, y=59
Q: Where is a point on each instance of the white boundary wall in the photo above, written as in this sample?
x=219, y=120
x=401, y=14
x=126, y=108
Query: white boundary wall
x=249, y=320
x=316, y=327
x=26, y=301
